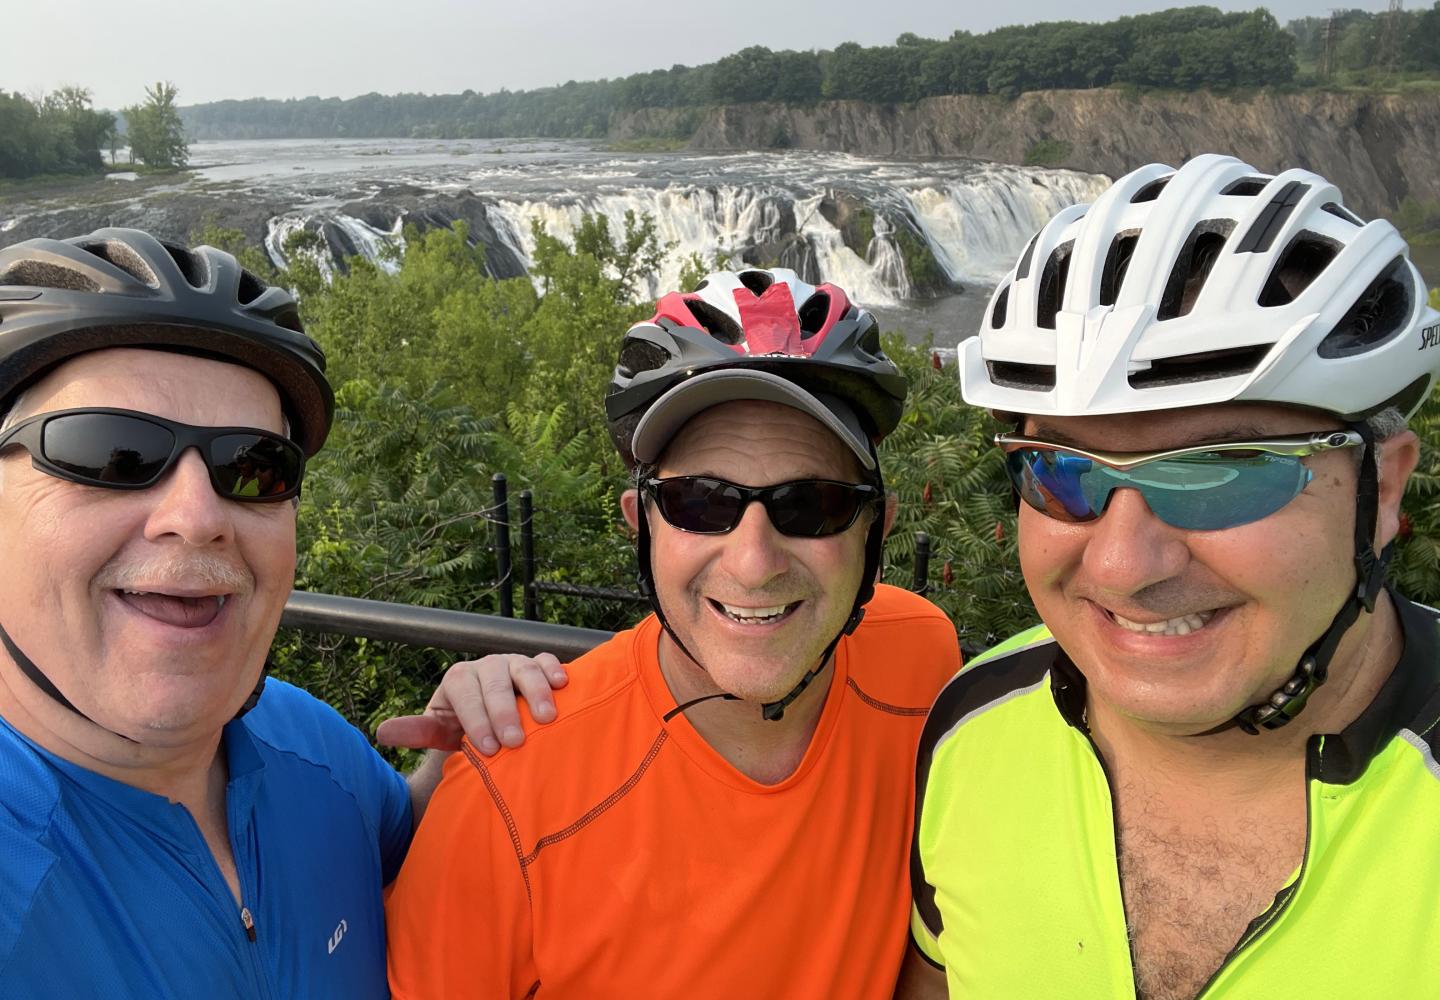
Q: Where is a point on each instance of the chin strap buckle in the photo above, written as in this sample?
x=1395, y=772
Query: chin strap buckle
x=1287, y=702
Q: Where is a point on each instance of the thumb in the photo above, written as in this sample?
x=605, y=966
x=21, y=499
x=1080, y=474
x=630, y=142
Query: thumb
x=418, y=732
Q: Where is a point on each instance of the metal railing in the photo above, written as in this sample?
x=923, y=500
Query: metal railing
x=457, y=631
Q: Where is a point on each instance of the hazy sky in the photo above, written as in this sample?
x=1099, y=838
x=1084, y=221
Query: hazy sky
x=294, y=48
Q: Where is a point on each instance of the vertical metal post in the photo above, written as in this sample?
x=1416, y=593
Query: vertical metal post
x=527, y=554
x=501, y=516
x=921, y=584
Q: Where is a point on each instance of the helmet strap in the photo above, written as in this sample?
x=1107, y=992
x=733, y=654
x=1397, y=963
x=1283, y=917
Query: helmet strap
x=41, y=680
x=1290, y=699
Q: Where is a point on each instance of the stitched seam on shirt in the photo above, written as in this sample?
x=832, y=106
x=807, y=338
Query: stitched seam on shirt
x=883, y=706
x=593, y=814
x=505, y=813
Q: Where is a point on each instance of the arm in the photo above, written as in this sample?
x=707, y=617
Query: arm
x=475, y=698
x=919, y=980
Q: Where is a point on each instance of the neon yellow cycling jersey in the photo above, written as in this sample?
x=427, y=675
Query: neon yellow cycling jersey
x=1016, y=885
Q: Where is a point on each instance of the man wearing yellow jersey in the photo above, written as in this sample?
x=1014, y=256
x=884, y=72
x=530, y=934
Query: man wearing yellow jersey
x=1212, y=772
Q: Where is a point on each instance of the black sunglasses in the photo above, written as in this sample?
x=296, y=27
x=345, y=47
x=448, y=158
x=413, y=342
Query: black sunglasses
x=805, y=508
x=125, y=450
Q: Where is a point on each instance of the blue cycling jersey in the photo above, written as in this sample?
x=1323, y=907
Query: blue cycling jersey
x=110, y=891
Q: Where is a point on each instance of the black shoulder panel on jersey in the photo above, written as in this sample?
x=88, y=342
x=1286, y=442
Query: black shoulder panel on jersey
x=971, y=690
x=1407, y=700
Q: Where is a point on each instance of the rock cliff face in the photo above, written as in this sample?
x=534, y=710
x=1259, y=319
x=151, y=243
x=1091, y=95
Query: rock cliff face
x=1377, y=148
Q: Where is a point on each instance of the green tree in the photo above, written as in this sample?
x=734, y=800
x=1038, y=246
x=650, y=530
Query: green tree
x=155, y=131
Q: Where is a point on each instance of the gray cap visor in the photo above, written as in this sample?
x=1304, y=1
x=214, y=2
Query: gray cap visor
x=663, y=420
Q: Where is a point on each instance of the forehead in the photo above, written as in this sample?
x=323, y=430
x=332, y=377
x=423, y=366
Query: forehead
x=1155, y=430
x=754, y=442
x=178, y=386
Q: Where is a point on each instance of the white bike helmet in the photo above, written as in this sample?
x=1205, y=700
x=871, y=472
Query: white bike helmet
x=1213, y=283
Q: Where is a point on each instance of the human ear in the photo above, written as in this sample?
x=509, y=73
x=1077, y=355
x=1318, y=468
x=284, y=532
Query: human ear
x=1399, y=454
x=892, y=508
x=630, y=507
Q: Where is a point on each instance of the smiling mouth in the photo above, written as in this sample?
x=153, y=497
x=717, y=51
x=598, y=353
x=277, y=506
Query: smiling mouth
x=755, y=616
x=172, y=609
x=1183, y=625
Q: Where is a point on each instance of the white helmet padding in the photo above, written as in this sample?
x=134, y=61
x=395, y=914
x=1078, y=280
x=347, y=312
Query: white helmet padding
x=1209, y=284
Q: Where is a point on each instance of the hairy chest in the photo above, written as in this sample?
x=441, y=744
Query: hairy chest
x=1191, y=890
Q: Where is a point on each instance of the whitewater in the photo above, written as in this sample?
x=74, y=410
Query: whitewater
x=773, y=207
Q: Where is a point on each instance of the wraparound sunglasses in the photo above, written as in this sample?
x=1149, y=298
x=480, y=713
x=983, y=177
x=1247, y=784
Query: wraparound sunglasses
x=1203, y=488
x=127, y=450
x=804, y=508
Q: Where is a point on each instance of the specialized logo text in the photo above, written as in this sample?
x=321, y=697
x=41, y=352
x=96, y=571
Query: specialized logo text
x=1430, y=336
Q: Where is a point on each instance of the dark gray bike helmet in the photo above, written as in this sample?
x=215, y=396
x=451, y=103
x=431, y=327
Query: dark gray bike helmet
x=125, y=288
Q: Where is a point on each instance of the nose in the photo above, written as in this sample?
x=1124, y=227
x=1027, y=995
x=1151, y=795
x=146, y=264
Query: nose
x=754, y=552
x=1128, y=548
x=187, y=507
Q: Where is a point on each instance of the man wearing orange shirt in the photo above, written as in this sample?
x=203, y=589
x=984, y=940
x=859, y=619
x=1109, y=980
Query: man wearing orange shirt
x=724, y=805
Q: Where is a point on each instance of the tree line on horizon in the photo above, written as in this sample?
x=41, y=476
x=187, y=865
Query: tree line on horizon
x=1187, y=48
x=62, y=133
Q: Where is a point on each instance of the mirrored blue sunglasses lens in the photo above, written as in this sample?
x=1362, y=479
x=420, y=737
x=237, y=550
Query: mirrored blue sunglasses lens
x=1207, y=491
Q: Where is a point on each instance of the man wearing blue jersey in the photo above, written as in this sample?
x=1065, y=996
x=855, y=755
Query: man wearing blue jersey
x=171, y=826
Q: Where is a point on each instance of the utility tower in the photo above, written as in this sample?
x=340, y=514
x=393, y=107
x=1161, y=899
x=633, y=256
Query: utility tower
x=1390, y=42
x=1332, y=42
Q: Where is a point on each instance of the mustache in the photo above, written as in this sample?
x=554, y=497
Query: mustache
x=202, y=570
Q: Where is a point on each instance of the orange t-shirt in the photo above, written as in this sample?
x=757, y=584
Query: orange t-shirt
x=618, y=855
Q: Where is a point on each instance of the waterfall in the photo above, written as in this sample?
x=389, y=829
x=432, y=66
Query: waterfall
x=976, y=227
x=974, y=218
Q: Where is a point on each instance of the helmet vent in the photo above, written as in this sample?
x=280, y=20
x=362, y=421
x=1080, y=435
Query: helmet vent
x=756, y=281
x=1202, y=367
x=1341, y=212
x=1150, y=191
x=813, y=314
x=1022, y=270
x=190, y=265
x=42, y=274
x=640, y=356
x=251, y=288
x=126, y=259
x=1247, y=187
x=1117, y=261
x=1193, y=265
x=1307, y=255
x=1382, y=311
x=714, y=322
x=1272, y=219
x=1052, y=285
x=289, y=318
x=869, y=340
x=1013, y=375
x=1002, y=302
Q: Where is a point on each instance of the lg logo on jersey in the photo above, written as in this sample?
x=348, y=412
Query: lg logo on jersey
x=1430, y=336
x=335, y=938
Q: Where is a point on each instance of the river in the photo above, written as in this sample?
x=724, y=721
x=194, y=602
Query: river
x=856, y=221
x=853, y=220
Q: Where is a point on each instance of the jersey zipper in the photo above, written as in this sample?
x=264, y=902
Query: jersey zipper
x=239, y=851
x=1115, y=838
x=1282, y=899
